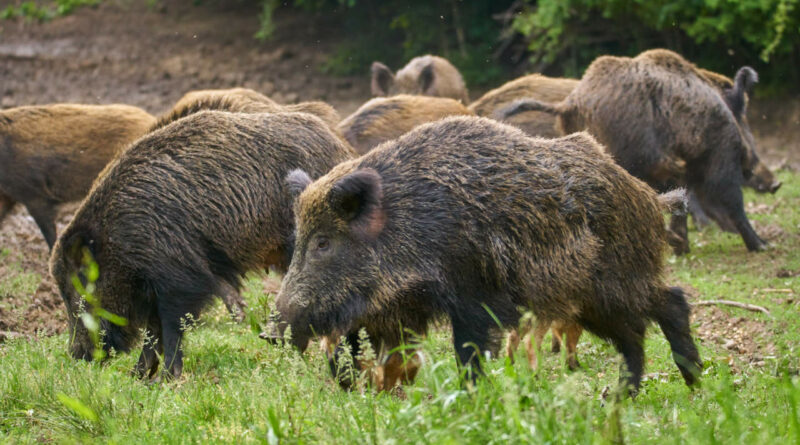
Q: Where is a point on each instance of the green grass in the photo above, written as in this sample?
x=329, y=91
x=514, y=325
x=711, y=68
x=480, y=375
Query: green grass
x=238, y=388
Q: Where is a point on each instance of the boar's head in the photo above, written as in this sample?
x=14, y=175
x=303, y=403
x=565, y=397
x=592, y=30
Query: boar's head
x=757, y=175
x=73, y=263
x=385, y=83
x=335, y=266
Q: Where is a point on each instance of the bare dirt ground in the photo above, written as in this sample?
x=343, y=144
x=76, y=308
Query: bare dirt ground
x=125, y=52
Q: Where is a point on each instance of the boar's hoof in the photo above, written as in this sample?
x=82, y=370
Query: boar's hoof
x=758, y=246
x=270, y=337
x=775, y=186
x=679, y=244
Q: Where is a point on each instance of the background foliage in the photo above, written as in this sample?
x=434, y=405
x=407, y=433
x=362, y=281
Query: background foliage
x=494, y=40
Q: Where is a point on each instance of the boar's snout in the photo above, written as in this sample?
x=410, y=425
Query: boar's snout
x=275, y=331
x=79, y=352
x=763, y=180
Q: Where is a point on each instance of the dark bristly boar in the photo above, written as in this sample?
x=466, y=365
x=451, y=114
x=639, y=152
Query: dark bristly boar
x=758, y=176
x=472, y=220
x=674, y=202
x=534, y=86
x=50, y=154
x=665, y=122
x=385, y=118
x=242, y=100
x=181, y=215
x=424, y=75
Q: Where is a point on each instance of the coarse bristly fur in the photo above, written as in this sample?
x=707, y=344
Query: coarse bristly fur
x=385, y=118
x=472, y=220
x=181, y=215
x=424, y=75
x=671, y=124
x=242, y=100
x=50, y=154
x=532, y=86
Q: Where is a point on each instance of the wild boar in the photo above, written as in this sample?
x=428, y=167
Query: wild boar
x=666, y=123
x=180, y=216
x=242, y=100
x=385, y=371
x=572, y=332
x=470, y=220
x=50, y=154
x=385, y=118
x=535, y=86
x=424, y=75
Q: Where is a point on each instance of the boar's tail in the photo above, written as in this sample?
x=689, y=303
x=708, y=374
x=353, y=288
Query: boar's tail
x=745, y=78
x=523, y=105
x=675, y=201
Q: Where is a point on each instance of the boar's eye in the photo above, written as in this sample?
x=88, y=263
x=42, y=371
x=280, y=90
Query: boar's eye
x=323, y=244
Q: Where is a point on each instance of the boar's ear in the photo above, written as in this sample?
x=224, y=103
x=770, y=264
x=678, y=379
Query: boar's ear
x=297, y=181
x=358, y=198
x=382, y=79
x=426, y=77
x=75, y=247
x=745, y=78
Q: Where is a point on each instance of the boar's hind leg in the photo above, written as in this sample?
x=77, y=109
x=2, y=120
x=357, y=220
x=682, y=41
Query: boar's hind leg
x=6, y=204
x=44, y=214
x=699, y=215
x=628, y=341
x=678, y=234
x=673, y=317
x=148, y=360
x=234, y=302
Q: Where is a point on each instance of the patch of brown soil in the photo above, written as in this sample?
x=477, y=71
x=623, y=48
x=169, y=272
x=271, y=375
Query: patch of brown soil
x=42, y=311
x=746, y=337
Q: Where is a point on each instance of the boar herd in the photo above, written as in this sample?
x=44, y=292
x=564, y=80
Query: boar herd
x=418, y=208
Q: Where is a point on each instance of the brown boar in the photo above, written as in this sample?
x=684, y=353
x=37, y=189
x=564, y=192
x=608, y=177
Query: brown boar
x=385, y=371
x=665, y=122
x=50, y=154
x=471, y=220
x=424, y=75
x=181, y=216
x=535, y=86
x=561, y=329
x=242, y=100
x=385, y=118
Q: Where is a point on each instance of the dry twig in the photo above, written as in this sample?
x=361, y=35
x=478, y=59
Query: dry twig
x=749, y=307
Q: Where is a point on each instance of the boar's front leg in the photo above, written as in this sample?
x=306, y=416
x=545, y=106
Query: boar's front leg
x=470, y=339
x=148, y=360
x=171, y=336
x=729, y=208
